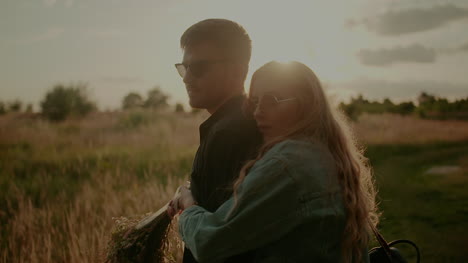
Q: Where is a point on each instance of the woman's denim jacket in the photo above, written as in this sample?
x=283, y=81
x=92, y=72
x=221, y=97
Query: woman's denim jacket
x=289, y=209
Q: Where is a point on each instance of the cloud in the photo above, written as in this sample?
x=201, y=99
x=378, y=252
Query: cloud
x=393, y=23
x=104, y=33
x=49, y=34
x=68, y=3
x=415, y=53
x=50, y=2
x=399, y=90
x=454, y=50
x=463, y=47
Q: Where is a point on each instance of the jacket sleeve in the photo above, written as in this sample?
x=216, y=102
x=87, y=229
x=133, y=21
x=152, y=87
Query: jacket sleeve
x=266, y=210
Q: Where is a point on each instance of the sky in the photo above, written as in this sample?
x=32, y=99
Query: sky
x=377, y=48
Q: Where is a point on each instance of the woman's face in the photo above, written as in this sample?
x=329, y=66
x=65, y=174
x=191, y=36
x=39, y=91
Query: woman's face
x=276, y=106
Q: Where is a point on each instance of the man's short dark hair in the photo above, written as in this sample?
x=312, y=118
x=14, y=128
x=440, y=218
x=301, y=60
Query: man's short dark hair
x=226, y=34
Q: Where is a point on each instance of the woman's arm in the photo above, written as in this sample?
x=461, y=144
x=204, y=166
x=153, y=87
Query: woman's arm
x=266, y=210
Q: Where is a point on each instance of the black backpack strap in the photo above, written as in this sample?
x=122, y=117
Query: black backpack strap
x=382, y=242
x=399, y=241
x=386, y=246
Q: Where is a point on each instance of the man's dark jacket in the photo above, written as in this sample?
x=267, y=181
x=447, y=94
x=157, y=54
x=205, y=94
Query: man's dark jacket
x=228, y=138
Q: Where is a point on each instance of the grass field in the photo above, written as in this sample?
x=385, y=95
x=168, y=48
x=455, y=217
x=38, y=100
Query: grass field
x=62, y=184
x=429, y=209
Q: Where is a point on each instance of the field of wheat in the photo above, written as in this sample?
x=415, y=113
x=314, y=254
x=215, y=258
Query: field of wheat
x=62, y=185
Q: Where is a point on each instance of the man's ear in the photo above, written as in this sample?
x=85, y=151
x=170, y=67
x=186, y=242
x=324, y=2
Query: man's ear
x=240, y=71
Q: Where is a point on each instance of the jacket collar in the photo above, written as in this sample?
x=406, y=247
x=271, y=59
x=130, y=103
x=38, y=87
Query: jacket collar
x=231, y=105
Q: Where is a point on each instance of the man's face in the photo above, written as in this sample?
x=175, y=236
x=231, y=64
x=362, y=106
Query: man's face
x=207, y=78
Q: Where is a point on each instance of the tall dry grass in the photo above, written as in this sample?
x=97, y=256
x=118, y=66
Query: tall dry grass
x=62, y=184
x=397, y=129
x=63, y=227
x=79, y=231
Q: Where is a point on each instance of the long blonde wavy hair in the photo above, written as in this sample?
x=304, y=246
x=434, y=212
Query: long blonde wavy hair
x=319, y=122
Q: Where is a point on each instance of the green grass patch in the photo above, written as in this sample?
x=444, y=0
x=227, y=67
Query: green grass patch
x=429, y=209
x=46, y=177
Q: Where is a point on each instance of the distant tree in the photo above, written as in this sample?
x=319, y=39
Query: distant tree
x=63, y=101
x=3, y=109
x=156, y=99
x=461, y=105
x=179, y=107
x=29, y=108
x=405, y=108
x=388, y=102
x=349, y=110
x=360, y=99
x=429, y=106
x=15, y=106
x=433, y=107
x=425, y=98
x=132, y=100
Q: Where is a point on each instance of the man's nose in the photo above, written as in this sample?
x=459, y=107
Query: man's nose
x=188, y=77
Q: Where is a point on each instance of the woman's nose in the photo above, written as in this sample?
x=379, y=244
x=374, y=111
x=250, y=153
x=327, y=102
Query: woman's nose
x=259, y=113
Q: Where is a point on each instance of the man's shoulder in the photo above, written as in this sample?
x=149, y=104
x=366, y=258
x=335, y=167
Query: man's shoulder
x=236, y=123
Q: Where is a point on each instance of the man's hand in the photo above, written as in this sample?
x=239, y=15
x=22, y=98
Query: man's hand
x=186, y=198
x=182, y=200
x=171, y=210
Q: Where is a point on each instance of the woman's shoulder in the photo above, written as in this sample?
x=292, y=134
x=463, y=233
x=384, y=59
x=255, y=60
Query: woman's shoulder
x=296, y=149
x=310, y=163
x=283, y=154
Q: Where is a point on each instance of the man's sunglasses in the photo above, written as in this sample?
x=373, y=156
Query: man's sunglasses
x=197, y=68
x=268, y=99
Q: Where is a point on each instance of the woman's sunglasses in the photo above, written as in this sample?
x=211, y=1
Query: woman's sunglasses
x=268, y=99
x=197, y=68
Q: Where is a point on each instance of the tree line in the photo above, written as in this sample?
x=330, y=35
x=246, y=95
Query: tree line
x=428, y=106
x=64, y=101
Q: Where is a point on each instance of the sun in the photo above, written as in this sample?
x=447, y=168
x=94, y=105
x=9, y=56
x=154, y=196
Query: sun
x=308, y=34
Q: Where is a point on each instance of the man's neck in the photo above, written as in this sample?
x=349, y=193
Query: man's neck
x=227, y=98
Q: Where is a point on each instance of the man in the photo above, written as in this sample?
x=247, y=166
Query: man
x=215, y=64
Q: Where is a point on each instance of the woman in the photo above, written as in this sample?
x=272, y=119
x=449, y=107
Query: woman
x=307, y=197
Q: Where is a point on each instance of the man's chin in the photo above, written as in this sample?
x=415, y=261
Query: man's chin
x=196, y=104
